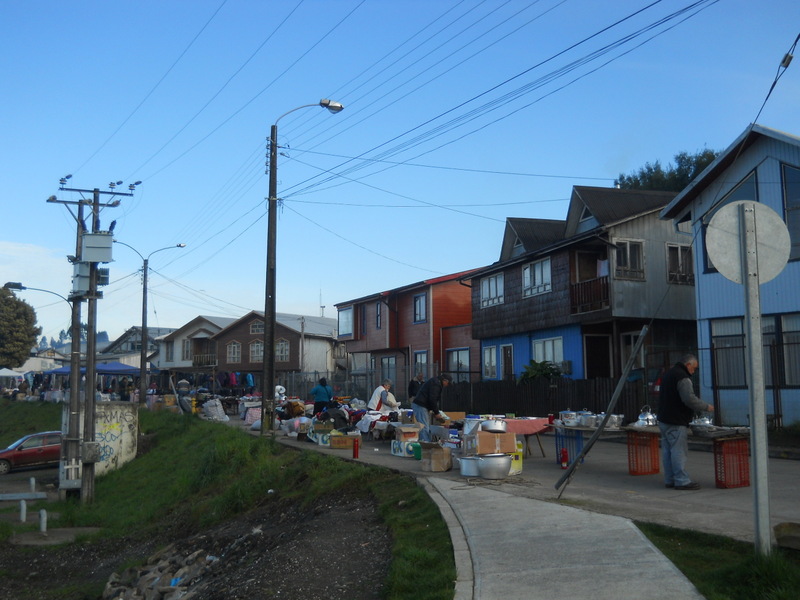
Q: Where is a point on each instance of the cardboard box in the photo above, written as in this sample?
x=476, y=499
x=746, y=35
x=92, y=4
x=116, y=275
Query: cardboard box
x=483, y=442
x=435, y=458
x=454, y=416
x=325, y=427
x=407, y=417
x=516, y=464
x=342, y=442
x=406, y=434
x=402, y=449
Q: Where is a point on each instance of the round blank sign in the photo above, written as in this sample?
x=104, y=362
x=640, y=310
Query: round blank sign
x=724, y=241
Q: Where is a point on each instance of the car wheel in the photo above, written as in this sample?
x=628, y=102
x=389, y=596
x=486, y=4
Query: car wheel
x=5, y=467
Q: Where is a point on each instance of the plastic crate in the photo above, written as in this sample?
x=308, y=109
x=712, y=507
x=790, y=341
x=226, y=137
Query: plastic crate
x=732, y=462
x=572, y=440
x=643, y=453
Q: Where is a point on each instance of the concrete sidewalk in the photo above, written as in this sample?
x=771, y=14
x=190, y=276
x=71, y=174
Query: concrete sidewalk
x=516, y=539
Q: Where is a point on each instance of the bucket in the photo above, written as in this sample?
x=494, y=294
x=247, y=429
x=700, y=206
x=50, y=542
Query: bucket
x=469, y=466
x=416, y=449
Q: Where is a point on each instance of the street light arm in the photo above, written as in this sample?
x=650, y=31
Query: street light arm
x=166, y=248
x=16, y=285
x=331, y=105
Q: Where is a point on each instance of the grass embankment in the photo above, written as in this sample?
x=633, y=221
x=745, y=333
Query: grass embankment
x=199, y=474
x=213, y=473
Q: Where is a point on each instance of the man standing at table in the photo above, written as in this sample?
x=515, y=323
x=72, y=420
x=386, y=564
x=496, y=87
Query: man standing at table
x=675, y=410
x=427, y=401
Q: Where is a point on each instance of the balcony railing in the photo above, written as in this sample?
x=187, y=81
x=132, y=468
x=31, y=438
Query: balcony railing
x=589, y=295
x=204, y=360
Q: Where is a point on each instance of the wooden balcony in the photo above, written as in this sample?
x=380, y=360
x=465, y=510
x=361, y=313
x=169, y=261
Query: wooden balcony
x=204, y=360
x=589, y=295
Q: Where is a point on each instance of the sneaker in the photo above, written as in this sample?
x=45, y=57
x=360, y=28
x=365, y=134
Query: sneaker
x=692, y=485
x=669, y=485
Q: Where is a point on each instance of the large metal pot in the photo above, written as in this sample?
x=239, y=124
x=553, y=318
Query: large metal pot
x=469, y=466
x=587, y=419
x=494, y=426
x=569, y=418
x=494, y=466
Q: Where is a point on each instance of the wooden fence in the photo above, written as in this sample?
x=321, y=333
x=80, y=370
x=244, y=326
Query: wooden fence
x=540, y=397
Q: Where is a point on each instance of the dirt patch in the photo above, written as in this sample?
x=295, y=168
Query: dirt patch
x=339, y=549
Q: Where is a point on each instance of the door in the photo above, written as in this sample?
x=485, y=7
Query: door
x=597, y=349
x=508, y=362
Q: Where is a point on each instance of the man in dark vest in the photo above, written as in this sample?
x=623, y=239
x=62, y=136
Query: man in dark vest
x=676, y=408
x=427, y=402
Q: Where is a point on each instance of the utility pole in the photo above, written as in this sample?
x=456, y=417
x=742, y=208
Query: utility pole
x=78, y=455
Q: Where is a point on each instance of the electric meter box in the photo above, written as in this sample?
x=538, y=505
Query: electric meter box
x=96, y=247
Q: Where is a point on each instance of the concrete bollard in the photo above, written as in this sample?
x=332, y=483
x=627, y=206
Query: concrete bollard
x=33, y=484
x=43, y=521
x=23, y=511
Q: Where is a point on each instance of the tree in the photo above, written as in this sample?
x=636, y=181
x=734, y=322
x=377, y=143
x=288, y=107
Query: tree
x=18, y=330
x=43, y=343
x=673, y=179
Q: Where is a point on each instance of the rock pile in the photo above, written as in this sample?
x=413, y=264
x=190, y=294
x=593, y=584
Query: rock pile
x=170, y=574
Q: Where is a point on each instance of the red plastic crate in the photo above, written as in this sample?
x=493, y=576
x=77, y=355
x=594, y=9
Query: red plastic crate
x=732, y=462
x=643, y=454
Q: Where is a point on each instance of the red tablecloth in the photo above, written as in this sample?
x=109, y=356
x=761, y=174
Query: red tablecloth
x=526, y=426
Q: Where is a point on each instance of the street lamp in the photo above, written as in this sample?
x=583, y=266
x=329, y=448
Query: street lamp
x=143, y=349
x=268, y=354
x=16, y=285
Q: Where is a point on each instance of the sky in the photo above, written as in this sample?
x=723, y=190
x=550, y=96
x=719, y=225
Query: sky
x=457, y=116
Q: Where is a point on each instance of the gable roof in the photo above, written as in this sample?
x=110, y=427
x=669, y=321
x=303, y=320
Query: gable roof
x=525, y=235
x=726, y=158
x=412, y=286
x=198, y=322
x=136, y=332
x=612, y=205
x=307, y=325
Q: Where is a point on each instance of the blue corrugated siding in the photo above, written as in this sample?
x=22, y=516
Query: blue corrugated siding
x=523, y=347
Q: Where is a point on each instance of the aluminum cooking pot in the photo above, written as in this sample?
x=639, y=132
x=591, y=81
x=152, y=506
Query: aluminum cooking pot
x=494, y=466
x=587, y=419
x=469, y=466
x=494, y=426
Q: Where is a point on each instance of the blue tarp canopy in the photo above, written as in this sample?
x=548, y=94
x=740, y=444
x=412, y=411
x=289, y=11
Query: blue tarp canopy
x=112, y=368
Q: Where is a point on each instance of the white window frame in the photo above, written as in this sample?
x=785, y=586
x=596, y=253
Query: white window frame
x=169, y=351
x=536, y=278
x=683, y=273
x=257, y=351
x=257, y=328
x=282, y=350
x=186, y=349
x=233, y=352
x=489, y=362
x=548, y=350
x=624, y=269
x=492, y=290
x=346, y=321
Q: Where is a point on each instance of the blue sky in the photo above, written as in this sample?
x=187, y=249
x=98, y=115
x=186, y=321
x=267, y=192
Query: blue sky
x=457, y=115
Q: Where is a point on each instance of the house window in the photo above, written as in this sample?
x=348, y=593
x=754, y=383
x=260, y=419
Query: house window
x=186, y=350
x=746, y=190
x=490, y=362
x=257, y=351
x=630, y=260
x=679, y=264
x=548, y=350
x=458, y=364
x=282, y=350
x=536, y=278
x=791, y=348
x=420, y=308
x=492, y=290
x=234, y=352
x=421, y=362
x=346, y=321
x=169, y=351
x=377, y=315
x=257, y=328
x=727, y=341
x=791, y=200
x=388, y=368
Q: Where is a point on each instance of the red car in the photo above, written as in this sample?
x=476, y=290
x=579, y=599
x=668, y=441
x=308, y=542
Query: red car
x=34, y=450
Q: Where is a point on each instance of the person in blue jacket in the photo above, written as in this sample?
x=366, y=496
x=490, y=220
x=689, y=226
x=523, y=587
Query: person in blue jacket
x=322, y=394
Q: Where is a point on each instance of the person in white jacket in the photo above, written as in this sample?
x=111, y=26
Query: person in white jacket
x=382, y=400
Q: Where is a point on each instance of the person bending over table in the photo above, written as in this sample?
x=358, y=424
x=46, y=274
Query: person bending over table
x=427, y=401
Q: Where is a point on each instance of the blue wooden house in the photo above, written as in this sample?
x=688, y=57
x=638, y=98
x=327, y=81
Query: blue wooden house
x=762, y=164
